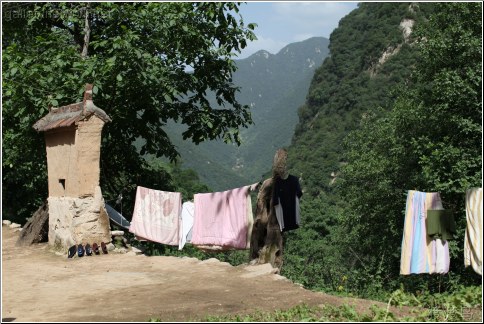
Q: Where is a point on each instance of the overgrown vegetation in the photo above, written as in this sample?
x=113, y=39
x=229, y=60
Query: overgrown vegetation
x=368, y=132
x=462, y=305
x=235, y=257
x=145, y=70
x=415, y=123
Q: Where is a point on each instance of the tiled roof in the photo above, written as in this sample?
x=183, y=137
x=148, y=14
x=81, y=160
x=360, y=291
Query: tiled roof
x=71, y=114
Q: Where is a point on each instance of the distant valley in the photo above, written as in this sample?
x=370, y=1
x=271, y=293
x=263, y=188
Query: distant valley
x=274, y=86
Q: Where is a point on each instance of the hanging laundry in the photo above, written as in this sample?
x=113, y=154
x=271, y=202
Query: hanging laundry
x=441, y=258
x=473, y=235
x=441, y=224
x=287, y=193
x=187, y=215
x=221, y=219
x=250, y=224
x=156, y=216
x=421, y=253
x=279, y=213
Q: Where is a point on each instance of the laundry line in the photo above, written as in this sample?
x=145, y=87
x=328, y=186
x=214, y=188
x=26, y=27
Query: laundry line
x=428, y=227
x=217, y=220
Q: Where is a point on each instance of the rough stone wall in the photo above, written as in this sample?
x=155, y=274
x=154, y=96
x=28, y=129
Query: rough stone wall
x=78, y=220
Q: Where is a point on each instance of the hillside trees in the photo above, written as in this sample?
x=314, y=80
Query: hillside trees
x=149, y=63
x=431, y=140
x=418, y=126
x=344, y=88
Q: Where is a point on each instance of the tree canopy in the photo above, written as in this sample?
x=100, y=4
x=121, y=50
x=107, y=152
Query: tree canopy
x=149, y=63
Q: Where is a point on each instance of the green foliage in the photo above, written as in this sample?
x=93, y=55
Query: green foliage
x=430, y=140
x=235, y=258
x=425, y=308
x=145, y=70
x=462, y=305
x=310, y=256
x=305, y=313
x=463, y=296
x=274, y=86
x=455, y=306
x=370, y=131
x=351, y=81
x=343, y=89
x=186, y=181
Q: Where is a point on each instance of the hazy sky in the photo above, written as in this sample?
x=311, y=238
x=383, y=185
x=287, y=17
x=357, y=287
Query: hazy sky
x=282, y=23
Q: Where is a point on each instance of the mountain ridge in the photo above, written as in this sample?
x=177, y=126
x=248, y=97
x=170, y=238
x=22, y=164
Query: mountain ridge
x=274, y=86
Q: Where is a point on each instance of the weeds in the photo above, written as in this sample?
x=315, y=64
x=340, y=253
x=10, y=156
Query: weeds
x=445, y=307
x=305, y=313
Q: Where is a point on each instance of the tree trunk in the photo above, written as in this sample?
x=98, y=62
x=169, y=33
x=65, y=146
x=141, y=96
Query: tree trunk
x=266, y=242
x=87, y=34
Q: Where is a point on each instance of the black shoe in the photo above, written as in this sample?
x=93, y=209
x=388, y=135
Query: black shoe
x=88, y=249
x=104, y=248
x=71, y=252
x=80, y=250
x=95, y=248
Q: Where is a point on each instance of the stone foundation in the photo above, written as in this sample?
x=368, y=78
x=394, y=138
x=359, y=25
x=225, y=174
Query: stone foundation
x=78, y=220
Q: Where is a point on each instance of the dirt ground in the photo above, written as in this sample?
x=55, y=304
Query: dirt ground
x=38, y=285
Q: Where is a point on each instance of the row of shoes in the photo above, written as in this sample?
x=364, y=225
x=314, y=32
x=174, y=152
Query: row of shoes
x=80, y=250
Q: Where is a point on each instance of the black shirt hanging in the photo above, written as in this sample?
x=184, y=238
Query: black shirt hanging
x=285, y=193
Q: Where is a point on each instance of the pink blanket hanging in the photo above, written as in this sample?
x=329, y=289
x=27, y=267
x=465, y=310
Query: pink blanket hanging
x=156, y=215
x=221, y=218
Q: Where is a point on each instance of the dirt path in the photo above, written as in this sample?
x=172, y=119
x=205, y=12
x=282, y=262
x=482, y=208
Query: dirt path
x=39, y=285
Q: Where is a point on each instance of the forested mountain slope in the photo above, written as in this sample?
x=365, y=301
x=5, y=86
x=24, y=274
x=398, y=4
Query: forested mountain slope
x=370, y=53
x=396, y=106
x=274, y=86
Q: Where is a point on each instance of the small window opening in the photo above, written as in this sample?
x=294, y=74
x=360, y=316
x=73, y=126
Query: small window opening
x=63, y=183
